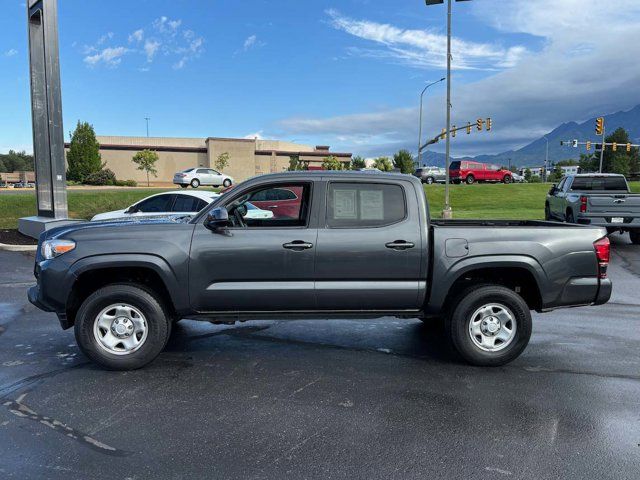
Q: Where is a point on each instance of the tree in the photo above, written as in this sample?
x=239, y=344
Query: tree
x=331, y=163
x=146, y=161
x=222, y=161
x=83, y=157
x=403, y=161
x=589, y=162
x=383, y=164
x=357, y=163
x=296, y=164
x=527, y=174
x=16, y=162
x=619, y=161
x=557, y=174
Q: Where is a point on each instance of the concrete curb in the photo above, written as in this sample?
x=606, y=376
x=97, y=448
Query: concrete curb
x=18, y=248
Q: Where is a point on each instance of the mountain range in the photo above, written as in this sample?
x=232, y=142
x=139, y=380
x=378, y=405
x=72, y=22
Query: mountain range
x=533, y=154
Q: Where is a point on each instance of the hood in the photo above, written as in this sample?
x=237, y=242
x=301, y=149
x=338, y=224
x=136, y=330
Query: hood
x=114, y=223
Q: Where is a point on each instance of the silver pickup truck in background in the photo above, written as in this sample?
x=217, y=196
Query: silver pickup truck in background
x=599, y=199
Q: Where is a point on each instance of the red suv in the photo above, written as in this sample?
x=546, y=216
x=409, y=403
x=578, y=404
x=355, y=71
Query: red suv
x=471, y=172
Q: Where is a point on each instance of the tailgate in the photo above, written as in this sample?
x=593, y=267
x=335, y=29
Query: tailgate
x=614, y=204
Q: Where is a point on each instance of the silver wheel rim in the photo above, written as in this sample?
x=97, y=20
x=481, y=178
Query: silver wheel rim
x=120, y=329
x=492, y=327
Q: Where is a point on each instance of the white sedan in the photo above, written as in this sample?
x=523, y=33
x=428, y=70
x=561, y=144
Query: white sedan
x=175, y=203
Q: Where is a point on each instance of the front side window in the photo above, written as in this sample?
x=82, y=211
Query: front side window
x=361, y=205
x=271, y=206
x=160, y=203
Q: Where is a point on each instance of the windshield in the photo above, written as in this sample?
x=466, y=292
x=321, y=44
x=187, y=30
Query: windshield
x=617, y=184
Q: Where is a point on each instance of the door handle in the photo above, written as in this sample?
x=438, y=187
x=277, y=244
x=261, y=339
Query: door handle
x=399, y=245
x=272, y=206
x=297, y=245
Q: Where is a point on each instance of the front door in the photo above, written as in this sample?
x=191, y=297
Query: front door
x=262, y=264
x=370, y=250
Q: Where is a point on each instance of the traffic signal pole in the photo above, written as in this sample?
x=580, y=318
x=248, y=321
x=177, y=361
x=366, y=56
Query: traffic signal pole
x=602, y=151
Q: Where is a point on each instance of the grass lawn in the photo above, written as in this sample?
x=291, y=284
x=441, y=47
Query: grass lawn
x=515, y=201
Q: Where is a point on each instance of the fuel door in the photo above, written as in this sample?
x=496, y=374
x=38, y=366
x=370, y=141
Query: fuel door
x=456, y=247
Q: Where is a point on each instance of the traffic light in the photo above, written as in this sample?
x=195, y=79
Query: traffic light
x=468, y=128
x=479, y=123
x=453, y=131
x=588, y=145
x=489, y=123
x=614, y=146
x=443, y=135
x=599, y=125
x=628, y=147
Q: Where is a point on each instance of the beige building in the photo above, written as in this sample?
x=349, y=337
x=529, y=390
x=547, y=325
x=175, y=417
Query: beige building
x=246, y=157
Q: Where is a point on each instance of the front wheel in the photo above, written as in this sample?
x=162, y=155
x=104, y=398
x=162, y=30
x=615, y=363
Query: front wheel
x=634, y=235
x=490, y=325
x=226, y=183
x=182, y=185
x=429, y=180
x=470, y=179
x=122, y=327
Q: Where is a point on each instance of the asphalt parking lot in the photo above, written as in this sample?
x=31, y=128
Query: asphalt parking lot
x=325, y=399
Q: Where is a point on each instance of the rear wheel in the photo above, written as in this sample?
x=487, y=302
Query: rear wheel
x=429, y=180
x=490, y=325
x=122, y=327
x=547, y=212
x=226, y=183
x=634, y=235
x=569, y=217
x=470, y=179
x=195, y=183
x=507, y=179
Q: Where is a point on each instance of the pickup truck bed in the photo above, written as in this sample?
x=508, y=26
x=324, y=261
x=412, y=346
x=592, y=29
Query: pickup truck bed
x=351, y=245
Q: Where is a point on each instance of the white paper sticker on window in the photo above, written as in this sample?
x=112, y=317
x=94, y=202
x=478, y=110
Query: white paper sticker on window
x=371, y=205
x=344, y=204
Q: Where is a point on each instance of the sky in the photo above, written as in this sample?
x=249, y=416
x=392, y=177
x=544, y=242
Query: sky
x=344, y=73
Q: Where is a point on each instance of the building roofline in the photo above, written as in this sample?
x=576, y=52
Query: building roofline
x=304, y=154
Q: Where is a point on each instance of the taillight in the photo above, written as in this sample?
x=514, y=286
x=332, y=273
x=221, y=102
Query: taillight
x=181, y=175
x=603, y=254
x=583, y=204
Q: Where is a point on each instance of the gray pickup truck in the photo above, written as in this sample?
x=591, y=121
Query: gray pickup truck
x=600, y=199
x=340, y=244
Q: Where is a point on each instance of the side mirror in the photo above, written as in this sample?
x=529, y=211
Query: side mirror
x=131, y=209
x=553, y=189
x=217, y=218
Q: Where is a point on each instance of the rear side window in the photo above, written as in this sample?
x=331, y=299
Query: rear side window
x=599, y=183
x=361, y=205
x=160, y=203
x=185, y=203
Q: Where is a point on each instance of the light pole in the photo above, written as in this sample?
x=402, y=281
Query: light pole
x=546, y=160
x=447, y=213
x=420, y=124
x=147, y=119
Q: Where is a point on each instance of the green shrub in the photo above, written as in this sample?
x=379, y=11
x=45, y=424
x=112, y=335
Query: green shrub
x=126, y=183
x=103, y=177
x=535, y=179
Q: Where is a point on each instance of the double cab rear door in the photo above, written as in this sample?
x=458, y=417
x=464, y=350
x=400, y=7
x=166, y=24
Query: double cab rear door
x=349, y=245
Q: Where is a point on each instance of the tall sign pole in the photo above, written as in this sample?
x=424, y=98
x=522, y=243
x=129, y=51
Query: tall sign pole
x=46, y=109
x=447, y=213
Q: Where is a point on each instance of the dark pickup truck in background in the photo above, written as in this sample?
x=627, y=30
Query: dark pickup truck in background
x=351, y=245
x=600, y=199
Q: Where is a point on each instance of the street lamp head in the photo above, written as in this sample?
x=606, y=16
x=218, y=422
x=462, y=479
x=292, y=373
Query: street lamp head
x=436, y=2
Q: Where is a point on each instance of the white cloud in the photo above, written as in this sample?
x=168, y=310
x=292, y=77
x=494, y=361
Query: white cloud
x=575, y=76
x=422, y=48
x=11, y=52
x=137, y=36
x=109, y=56
x=150, y=49
x=259, y=135
x=167, y=26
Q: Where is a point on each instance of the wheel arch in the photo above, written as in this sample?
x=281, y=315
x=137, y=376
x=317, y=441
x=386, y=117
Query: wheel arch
x=148, y=271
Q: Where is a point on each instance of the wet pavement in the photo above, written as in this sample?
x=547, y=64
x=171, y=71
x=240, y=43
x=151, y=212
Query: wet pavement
x=325, y=399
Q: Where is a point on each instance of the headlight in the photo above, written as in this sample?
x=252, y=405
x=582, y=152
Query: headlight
x=54, y=248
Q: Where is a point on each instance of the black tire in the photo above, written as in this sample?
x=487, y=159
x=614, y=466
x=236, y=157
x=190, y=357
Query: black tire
x=547, y=212
x=569, y=218
x=507, y=179
x=430, y=180
x=195, y=183
x=158, y=324
x=226, y=183
x=182, y=185
x=461, y=314
x=470, y=179
x=634, y=235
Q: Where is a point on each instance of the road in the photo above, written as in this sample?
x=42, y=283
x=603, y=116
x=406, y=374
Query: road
x=325, y=399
